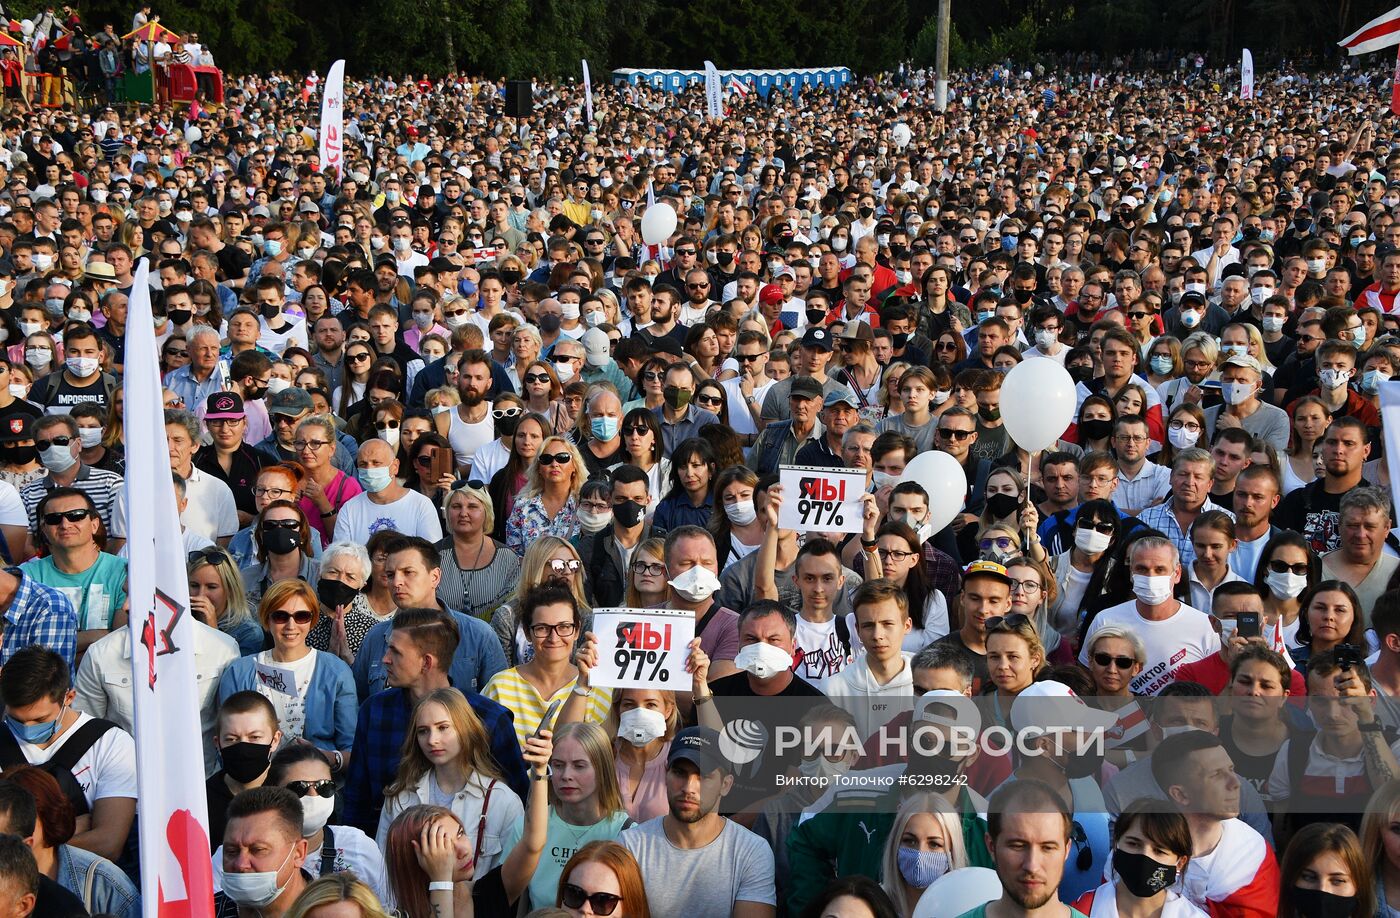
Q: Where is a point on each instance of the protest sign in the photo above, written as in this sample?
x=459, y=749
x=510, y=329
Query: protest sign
x=643, y=648
x=821, y=500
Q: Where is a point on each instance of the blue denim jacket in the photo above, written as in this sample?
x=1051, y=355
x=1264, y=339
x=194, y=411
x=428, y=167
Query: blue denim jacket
x=113, y=893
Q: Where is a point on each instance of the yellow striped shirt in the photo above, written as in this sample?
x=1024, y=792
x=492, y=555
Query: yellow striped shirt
x=512, y=690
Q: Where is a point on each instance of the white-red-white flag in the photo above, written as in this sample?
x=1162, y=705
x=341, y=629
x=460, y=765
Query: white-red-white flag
x=1246, y=75
x=333, y=124
x=1381, y=32
x=177, y=878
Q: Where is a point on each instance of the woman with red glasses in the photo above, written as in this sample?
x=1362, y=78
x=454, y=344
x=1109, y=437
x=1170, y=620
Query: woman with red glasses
x=312, y=692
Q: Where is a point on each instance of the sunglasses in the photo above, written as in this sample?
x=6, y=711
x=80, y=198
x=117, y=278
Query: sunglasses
x=281, y=524
x=551, y=458
x=601, y=903
x=959, y=435
x=42, y=445
x=564, y=567
x=282, y=616
x=654, y=376
x=211, y=555
x=1013, y=622
x=76, y=515
x=1280, y=567
x=503, y=413
x=386, y=425
x=709, y=400
x=1107, y=659
x=1105, y=527
x=302, y=788
x=1002, y=543
x=946, y=346
x=536, y=377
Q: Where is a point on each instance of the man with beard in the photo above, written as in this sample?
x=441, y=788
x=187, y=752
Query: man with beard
x=1028, y=834
x=469, y=426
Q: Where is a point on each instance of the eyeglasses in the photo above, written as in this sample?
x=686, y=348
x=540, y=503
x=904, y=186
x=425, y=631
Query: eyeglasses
x=1281, y=567
x=1130, y=438
x=563, y=629
x=1107, y=660
x=42, y=445
x=1001, y=543
x=894, y=554
x=947, y=433
x=211, y=555
x=313, y=445
x=386, y=425
x=76, y=515
x=648, y=569
x=283, y=616
x=302, y=788
x=536, y=378
x=1025, y=586
x=561, y=567
x=501, y=414
x=601, y=903
x=1106, y=527
x=551, y=458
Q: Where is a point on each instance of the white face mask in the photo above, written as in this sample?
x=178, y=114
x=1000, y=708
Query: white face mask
x=257, y=889
x=697, y=584
x=565, y=371
x=569, y=311
x=592, y=521
x=941, y=395
x=640, y=726
x=763, y=660
x=1286, y=585
x=1181, y=438
x=1236, y=393
x=38, y=356
x=90, y=436
x=58, y=459
x=315, y=813
x=277, y=384
x=741, y=513
x=1260, y=294
x=18, y=390
x=1152, y=590
x=883, y=479
x=389, y=435
x=1091, y=541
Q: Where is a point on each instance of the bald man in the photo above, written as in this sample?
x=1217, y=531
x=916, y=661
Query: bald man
x=385, y=503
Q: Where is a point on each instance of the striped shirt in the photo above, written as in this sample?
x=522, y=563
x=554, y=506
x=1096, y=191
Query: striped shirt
x=509, y=689
x=105, y=489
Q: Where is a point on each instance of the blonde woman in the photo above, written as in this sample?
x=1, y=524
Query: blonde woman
x=549, y=503
x=925, y=843
x=477, y=571
x=447, y=761
x=548, y=558
x=218, y=598
x=337, y=895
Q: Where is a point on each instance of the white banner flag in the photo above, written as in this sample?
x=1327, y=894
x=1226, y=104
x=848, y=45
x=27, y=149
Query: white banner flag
x=587, y=93
x=176, y=874
x=714, y=92
x=333, y=124
x=1246, y=75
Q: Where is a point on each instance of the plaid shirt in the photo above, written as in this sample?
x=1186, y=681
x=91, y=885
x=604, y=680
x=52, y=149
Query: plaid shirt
x=39, y=614
x=378, y=748
x=1164, y=521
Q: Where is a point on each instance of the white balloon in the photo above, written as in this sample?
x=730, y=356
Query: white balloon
x=1037, y=403
x=658, y=223
x=902, y=135
x=27, y=27
x=943, y=478
x=193, y=134
x=958, y=891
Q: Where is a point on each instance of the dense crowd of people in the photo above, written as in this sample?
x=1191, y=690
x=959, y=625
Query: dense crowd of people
x=424, y=418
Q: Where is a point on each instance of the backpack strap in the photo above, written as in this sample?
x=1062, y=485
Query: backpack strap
x=327, y=852
x=79, y=743
x=90, y=885
x=10, y=754
x=843, y=634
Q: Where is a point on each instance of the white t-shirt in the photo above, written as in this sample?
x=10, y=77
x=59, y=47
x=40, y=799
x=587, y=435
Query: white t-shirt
x=488, y=460
x=210, y=510
x=294, y=333
x=819, y=654
x=739, y=417
x=11, y=507
x=412, y=514
x=107, y=769
x=1184, y=638
x=290, y=706
x=467, y=437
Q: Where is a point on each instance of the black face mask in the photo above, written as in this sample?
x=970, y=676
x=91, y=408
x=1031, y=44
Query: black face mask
x=270, y=310
x=1000, y=506
x=280, y=541
x=334, y=593
x=510, y=276
x=628, y=513
x=18, y=455
x=244, y=762
x=179, y=316
x=816, y=316
x=725, y=259
x=1314, y=903
x=932, y=765
x=899, y=340
x=1096, y=428
x=1142, y=876
x=549, y=323
x=865, y=212
x=1081, y=373
x=505, y=427
x=1023, y=296
x=252, y=395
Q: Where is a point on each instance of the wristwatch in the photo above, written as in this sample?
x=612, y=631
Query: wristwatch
x=583, y=691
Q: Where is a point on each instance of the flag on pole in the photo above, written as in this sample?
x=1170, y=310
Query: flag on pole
x=333, y=123
x=1395, y=85
x=176, y=874
x=587, y=93
x=714, y=95
x=1246, y=75
x=737, y=88
x=1381, y=32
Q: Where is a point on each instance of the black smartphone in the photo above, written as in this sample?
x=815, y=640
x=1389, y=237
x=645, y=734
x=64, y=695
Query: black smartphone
x=1247, y=624
x=547, y=722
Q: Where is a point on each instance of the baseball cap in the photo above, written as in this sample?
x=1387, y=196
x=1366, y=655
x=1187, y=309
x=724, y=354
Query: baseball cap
x=841, y=395
x=308, y=207
x=784, y=271
x=1054, y=704
x=291, y=402
x=987, y=569
x=817, y=337
x=700, y=746
x=805, y=387
x=224, y=406
x=1191, y=298
x=771, y=295
x=596, y=346
x=1244, y=360
x=856, y=331
x=260, y=211
x=948, y=708
x=441, y=265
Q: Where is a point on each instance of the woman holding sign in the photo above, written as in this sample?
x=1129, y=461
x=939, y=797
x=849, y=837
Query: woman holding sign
x=552, y=619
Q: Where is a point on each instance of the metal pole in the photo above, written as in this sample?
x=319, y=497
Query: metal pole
x=945, y=18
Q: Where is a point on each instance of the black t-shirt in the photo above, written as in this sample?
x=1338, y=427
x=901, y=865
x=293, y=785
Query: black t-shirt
x=233, y=262
x=58, y=395
x=980, y=673
x=1253, y=768
x=753, y=781
x=1315, y=513
x=54, y=901
x=217, y=796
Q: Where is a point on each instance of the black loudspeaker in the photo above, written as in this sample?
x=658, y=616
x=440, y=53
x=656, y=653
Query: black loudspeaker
x=520, y=99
